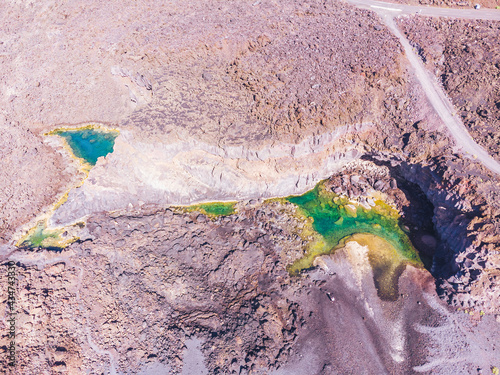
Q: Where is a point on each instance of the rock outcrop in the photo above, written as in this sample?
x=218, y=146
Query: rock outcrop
x=143, y=285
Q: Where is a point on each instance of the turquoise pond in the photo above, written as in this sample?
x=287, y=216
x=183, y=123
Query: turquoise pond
x=89, y=143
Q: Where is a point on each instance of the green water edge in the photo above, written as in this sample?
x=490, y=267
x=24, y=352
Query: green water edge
x=89, y=143
x=335, y=221
x=40, y=237
x=212, y=209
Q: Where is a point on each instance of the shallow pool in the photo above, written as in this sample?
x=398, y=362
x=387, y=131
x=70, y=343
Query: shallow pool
x=89, y=143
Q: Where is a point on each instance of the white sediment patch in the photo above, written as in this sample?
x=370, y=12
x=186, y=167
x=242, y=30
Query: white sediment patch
x=352, y=265
x=190, y=172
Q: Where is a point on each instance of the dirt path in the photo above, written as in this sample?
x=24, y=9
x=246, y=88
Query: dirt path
x=476, y=14
x=433, y=90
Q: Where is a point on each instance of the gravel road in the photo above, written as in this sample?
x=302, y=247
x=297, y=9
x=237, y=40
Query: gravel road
x=432, y=88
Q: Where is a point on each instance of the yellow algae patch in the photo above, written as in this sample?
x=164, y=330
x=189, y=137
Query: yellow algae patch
x=85, y=144
x=386, y=262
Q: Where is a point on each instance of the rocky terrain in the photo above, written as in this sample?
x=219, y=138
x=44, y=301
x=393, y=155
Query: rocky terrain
x=462, y=4
x=242, y=101
x=463, y=55
x=140, y=286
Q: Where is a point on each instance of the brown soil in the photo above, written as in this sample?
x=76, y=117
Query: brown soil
x=224, y=72
x=313, y=68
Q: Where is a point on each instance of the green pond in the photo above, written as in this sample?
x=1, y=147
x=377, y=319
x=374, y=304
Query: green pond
x=89, y=143
x=214, y=209
x=41, y=237
x=336, y=221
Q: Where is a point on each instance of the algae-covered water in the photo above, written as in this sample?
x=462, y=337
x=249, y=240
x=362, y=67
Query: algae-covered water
x=214, y=209
x=89, y=143
x=335, y=220
x=42, y=237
